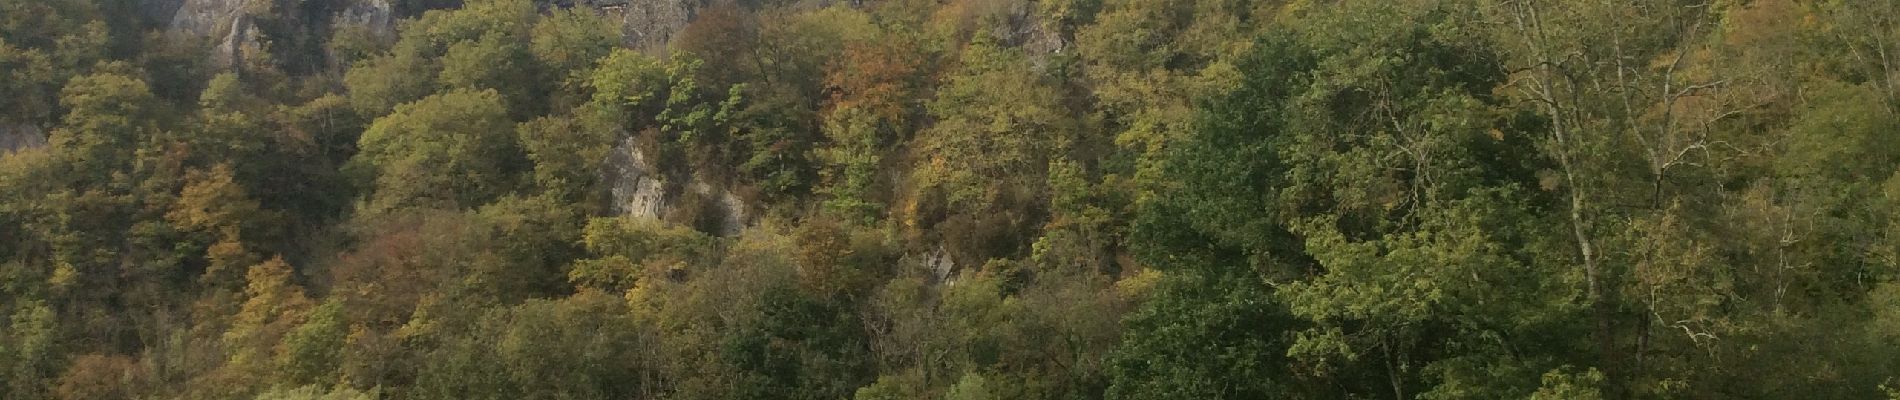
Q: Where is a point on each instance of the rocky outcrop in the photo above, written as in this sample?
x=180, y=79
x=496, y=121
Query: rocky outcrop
x=19, y=137
x=222, y=21
x=206, y=17
x=637, y=189
x=725, y=206
x=941, y=267
x=232, y=31
x=1042, y=44
x=159, y=11
x=376, y=15
x=640, y=189
x=239, y=39
x=645, y=24
x=1026, y=29
x=648, y=24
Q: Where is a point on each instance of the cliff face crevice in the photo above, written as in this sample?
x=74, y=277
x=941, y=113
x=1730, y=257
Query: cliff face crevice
x=206, y=17
x=221, y=21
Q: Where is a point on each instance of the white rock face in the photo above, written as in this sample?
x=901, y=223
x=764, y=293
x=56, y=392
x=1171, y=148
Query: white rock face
x=223, y=21
x=649, y=24
x=377, y=15
x=233, y=32
x=206, y=17
x=231, y=48
x=20, y=137
x=941, y=267
x=639, y=189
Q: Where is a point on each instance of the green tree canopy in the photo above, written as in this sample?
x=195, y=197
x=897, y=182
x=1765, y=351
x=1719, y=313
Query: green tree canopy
x=451, y=150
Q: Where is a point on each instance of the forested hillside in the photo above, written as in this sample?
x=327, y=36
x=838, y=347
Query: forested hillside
x=949, y=199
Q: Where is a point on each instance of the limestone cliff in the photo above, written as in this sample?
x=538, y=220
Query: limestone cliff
x=222, y=21
x=647, y=24
x=376, y=15
x=206, y=17
x=641, y=189
x=232, y=31
x=636, y=187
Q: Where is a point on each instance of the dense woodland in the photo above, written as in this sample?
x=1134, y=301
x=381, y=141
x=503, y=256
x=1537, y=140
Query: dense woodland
x=956, y=199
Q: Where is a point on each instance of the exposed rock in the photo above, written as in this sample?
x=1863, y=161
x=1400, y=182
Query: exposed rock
x=638, y=188
x=1043, y=44
x=223, y=21
x=231, y=48
x=20, y=137
x=206, y=17
x=731, y=210
x=232, y=30
x=940, y=265
x=376, y=15
x=1026, y=29
x=650, y=24
x=160, y=11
